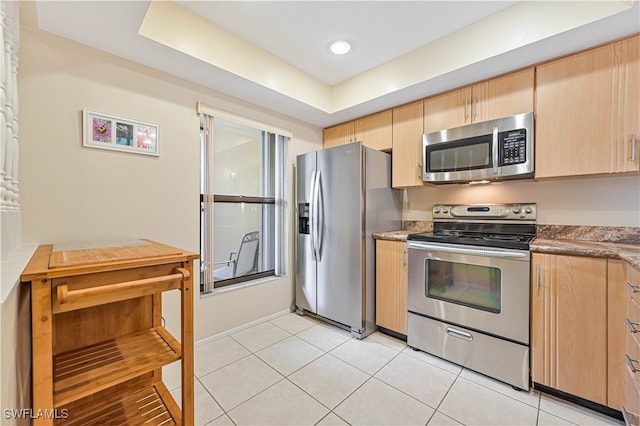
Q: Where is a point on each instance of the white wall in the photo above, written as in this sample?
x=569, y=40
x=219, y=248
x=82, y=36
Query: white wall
x=74, y=193
x=600, y=201
x=15, y=357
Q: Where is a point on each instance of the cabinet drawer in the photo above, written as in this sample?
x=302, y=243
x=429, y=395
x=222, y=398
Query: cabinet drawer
x=633, y=283
x=633, y=310
x=632, y=400
x=633, y=352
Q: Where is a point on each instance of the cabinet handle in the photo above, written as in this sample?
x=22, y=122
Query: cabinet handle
x=404, y=259
x=475, y=107
x=633, y=147
x=630, y=363
x=538, y=277
x=419, y=171
x=633, y=288
x=466, y=109
x=632, y=326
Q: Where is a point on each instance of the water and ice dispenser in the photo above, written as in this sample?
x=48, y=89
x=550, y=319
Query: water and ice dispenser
x=303, y=218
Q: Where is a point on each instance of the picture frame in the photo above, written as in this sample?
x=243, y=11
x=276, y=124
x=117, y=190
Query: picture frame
x=111, y=132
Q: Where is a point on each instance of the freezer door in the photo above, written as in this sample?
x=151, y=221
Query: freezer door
x=340, y=223
x=305, y=265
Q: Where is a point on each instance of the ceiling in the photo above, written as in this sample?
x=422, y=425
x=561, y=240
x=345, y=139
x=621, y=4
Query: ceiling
x=276, y=54
x=300, y=33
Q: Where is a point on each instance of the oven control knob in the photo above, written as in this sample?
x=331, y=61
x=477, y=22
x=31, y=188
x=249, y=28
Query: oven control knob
x=516, y=210
x=445, y=210
x=436, y=210
x=528, y=210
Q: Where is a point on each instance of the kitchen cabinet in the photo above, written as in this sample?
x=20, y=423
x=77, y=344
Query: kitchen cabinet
x=391, y=285
x=407, y=145
x=631, y=403
x=569, y=325
x=495, y=98
x=587, y=112
x=374, y=131
x=338, y=135
x=98, y=335
x=617, y=330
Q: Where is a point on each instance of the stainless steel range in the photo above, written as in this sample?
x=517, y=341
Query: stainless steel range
x=469, y=288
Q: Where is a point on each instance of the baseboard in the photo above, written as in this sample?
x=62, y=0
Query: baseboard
x=580, y=401
x=240, y=328
x=392, y=333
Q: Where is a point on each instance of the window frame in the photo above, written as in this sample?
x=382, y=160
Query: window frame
x=208, y=199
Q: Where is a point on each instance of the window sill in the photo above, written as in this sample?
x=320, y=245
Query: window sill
x=242, y=285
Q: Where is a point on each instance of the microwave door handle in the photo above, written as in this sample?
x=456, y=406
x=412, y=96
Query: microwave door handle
x=494, y=146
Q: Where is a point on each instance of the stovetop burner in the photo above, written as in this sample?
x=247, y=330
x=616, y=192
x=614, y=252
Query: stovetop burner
x=504, y=225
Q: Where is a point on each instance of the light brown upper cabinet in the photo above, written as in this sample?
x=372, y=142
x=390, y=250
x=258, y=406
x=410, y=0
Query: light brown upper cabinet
x=407, y=145
x=587, y=112
x=499, y=97
x=374, y=131
x=338, y=135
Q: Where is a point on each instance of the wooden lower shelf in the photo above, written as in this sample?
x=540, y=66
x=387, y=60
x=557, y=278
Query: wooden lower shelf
x=88, y=370
x=134, y=403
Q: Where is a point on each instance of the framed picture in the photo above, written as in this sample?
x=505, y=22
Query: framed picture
x=108, y=131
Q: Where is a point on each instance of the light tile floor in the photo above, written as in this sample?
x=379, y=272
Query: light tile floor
x=296, y=370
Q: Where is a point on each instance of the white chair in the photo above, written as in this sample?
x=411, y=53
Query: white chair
x=242, y=262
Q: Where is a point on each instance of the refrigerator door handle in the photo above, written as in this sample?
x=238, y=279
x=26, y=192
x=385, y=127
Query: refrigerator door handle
x=320, y=212
x=312, y=215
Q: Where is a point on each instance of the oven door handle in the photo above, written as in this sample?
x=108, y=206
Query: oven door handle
x=481, y=251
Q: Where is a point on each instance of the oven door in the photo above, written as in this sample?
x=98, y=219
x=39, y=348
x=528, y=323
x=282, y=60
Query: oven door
x=480, y=288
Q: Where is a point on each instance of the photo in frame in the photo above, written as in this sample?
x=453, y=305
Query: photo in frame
x=116, y=133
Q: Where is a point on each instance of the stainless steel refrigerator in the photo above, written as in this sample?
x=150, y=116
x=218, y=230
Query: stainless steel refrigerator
x=343, y=195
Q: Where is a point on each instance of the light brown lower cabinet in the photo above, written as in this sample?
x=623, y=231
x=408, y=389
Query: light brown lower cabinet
x=631, y=406
x=617, y=330
x=569, y=325
x=391, y=285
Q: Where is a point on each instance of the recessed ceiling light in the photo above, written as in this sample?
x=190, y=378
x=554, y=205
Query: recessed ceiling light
x=340, y=47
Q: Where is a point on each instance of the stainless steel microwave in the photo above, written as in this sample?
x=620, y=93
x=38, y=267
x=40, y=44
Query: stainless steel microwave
x=490, y=150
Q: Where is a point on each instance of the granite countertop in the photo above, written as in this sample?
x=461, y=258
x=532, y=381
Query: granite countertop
x=594, y=241
x=408, y=227
x=613, y=250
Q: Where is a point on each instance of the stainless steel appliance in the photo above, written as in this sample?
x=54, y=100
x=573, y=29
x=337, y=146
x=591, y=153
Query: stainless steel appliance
x=343, y=195
x=469, y=288
x=490, y=150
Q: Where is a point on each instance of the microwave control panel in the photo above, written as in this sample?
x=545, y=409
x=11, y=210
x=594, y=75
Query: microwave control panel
x=513, y=149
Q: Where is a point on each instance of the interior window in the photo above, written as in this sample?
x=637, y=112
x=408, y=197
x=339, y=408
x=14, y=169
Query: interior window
x=242, y=182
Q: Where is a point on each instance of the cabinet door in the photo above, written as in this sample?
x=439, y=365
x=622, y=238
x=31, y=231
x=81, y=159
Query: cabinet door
x=447, y=110
x=391, y=285
x=337, y=135
x=632, y=347
x=375, y=131
x=576, y=114
x=628, y=139
x=616, y=310
x=569, y=332
x=503, y=96
x=407, y=145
